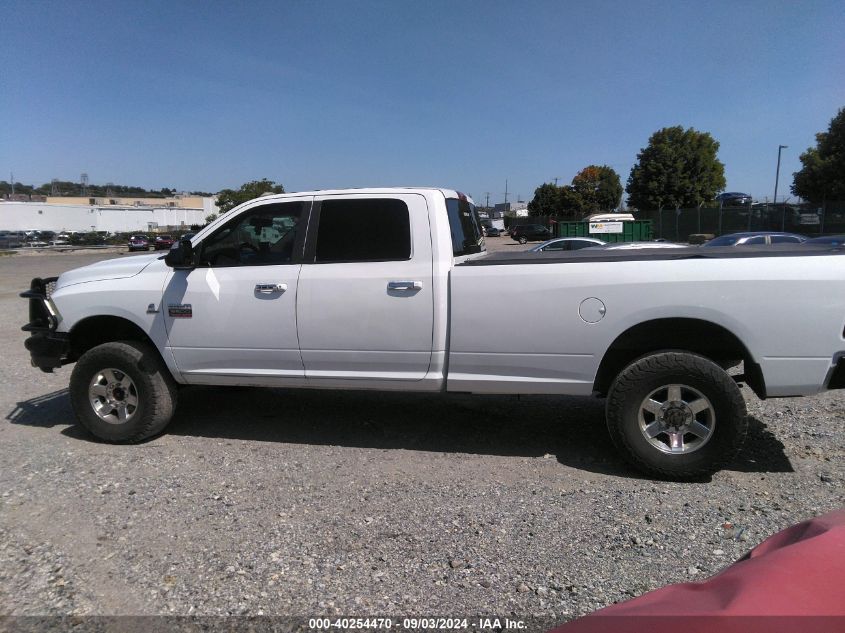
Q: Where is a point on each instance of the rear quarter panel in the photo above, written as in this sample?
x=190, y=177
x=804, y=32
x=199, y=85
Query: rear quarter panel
x=516, y=328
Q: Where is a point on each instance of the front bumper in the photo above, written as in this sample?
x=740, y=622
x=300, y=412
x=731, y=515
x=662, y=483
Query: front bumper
x=47, y=347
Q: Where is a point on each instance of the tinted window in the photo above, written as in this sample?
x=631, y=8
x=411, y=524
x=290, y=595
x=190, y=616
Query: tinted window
x=725, y=240
x=465, y=226
x=262, y=236
x=576, y=244
x=363, y=230
x=785, y=239
x=760, y=239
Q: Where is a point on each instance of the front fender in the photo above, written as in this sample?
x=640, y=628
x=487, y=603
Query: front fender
x=136, y=299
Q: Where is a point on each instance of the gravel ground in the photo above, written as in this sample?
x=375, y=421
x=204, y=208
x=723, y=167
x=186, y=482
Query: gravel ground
x=315, y=503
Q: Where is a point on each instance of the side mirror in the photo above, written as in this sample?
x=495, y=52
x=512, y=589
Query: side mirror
x=181, y=255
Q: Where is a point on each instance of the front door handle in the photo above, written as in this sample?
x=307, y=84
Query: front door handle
x=270, y=288
x=404, y=285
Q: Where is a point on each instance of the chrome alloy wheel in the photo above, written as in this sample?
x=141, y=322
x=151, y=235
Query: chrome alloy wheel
x=677, y=419
x=113, y=396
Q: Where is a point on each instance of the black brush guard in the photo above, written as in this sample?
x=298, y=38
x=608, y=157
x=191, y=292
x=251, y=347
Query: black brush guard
x=47, y=347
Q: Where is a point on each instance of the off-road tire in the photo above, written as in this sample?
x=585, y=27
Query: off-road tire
x=156, y=390
x=643, y=376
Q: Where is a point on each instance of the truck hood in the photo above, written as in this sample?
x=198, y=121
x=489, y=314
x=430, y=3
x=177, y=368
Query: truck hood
x=109, y=269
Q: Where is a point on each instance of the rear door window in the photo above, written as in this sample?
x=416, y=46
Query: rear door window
x=363, y=230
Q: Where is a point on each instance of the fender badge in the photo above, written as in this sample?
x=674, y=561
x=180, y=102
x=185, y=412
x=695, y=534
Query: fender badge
x=180, y=310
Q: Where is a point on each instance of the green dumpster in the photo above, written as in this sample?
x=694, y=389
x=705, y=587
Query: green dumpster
x=614, y=231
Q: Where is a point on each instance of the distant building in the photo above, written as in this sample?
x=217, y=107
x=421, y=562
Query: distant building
x=62, y=215
x=182, y=201
x=519, y=209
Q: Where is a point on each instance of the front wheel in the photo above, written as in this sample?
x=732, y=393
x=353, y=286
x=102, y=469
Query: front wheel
x=523, y=240
x=122, y=391
x=676, y=415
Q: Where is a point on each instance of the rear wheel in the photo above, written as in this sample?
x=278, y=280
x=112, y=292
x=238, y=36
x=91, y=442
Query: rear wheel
x=676, y=415
x=122, y=391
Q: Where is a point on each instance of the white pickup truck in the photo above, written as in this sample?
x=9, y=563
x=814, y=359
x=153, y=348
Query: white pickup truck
x=391, y=289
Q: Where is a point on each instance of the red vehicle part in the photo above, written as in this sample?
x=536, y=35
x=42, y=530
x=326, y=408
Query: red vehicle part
x=794, y=581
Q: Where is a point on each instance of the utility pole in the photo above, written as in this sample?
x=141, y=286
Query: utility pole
x=12, y=176
x=556, y=178
x=777, y=177
x=487, y=196
x=506, y=190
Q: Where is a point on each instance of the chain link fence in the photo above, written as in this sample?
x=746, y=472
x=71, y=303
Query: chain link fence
x=811, y=220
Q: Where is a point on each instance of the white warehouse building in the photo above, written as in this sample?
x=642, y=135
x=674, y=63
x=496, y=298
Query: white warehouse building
x=42, y=216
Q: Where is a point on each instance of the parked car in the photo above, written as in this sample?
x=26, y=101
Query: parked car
x=830, y=240
x=567, y=244
x=163, y=242
x=615, y=246
x=138, y=243
x=733, y=199
x=755, y=237
x=12, y=239
x=524, y=233
x=492, y=231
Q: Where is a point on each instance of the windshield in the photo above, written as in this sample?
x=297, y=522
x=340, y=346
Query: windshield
x=465, y=226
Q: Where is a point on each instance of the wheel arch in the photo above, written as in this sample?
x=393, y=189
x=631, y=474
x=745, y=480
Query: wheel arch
x=96, y=330
x=699, y=336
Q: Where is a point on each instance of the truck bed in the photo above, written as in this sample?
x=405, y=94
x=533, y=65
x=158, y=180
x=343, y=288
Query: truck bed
x=653, y=254
x=528, y=322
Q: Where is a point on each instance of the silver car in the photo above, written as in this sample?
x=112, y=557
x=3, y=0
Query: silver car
x=755, y=237
x=635, y=245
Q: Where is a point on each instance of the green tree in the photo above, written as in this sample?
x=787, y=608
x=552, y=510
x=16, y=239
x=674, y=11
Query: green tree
x=678, y=168
x=599, y=188
x=571, y=203
x=559, y=202
x=228, y=199
x=546, y=200
x=822, y=175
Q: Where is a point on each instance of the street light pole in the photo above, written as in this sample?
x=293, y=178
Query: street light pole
x=775, y=200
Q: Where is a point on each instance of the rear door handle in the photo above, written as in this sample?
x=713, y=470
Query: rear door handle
x=270, y=288
x=404, y=285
